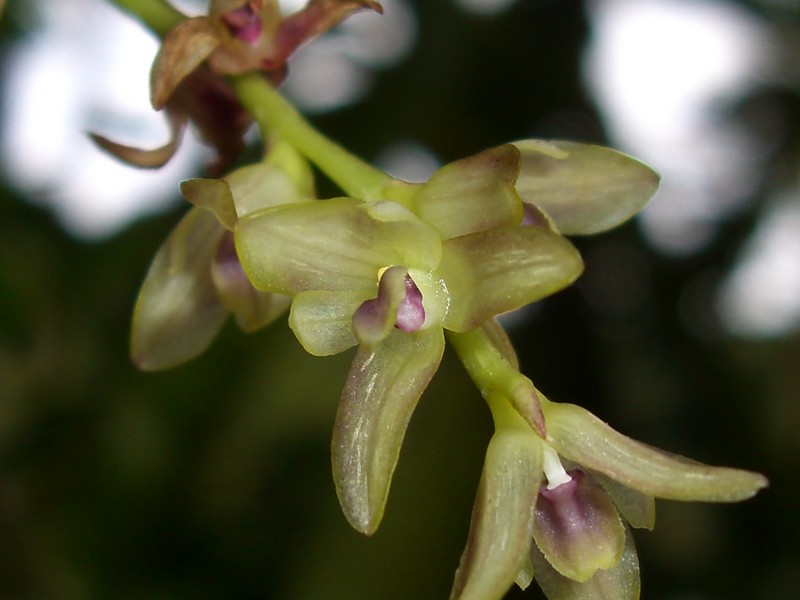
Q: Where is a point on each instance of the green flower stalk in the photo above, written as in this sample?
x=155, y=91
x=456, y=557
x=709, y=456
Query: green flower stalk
x=396, y=270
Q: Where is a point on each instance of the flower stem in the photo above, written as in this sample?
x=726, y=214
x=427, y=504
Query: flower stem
x=492, y=373
x=156, y=14
x=274, y=113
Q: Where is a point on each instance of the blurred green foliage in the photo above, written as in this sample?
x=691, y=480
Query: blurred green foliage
x=213, y=480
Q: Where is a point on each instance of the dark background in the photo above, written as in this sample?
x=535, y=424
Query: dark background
x=212, y=480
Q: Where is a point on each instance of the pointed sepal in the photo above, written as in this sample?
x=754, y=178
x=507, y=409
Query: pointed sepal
x=153, y=158
x=502, y=517
x=381, y=393
x=581, y=437
x=583, y=188
x=473, y=194
x=496, y=271
x=177, y=313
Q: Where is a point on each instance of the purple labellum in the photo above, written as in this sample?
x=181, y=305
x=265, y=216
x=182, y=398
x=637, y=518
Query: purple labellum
x=398, y=305
x=578, y=528
x=561, y=508
x=411, y=312
x=244, y=23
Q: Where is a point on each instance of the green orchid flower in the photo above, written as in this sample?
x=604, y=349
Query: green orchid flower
x=391, y=275
x=377, y=276
x=569, y=527
x=196, y=279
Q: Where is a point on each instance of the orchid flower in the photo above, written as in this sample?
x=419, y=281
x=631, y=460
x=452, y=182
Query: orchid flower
x=196, y=279
x=569, y=527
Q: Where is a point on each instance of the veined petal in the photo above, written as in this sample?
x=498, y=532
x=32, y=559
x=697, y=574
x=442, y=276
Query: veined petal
x=323, y=321
x=329, y=245
x=473, y=194
x=495, y=271
x=585, y=189
x=382, y=390
x=618, y=583
x=502, y=517
x=177, y=313
x=577, y=528
x=418, y=244
x=243, y=191
x=584, y=439
x=185, y=47
x=262, y=185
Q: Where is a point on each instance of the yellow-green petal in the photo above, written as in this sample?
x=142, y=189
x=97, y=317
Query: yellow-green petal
x=333, y=245
x=496, y=271
x=502, y=517
x=583, y=188
x=262, y=185
x=177, y=313
x=473, y=194
x=586, y=440
x=638, y=509
x=213, y=195
x=322, y=321
x=381, y=393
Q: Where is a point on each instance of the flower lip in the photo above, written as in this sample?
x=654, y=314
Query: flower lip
x=244, y=23
x=577, y=527
x=411, y=312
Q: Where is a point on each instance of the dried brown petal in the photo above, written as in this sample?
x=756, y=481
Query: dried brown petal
x=186, y=46
x=146, y=159
x=315, y=19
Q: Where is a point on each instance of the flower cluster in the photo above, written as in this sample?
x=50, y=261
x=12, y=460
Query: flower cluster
x=397, y=270
x=480, y=238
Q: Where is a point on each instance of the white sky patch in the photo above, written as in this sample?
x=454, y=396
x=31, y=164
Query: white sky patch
x=659, y=69
x=86, y=69
x=761, y=297
x=409, y=161
x=338, y=68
